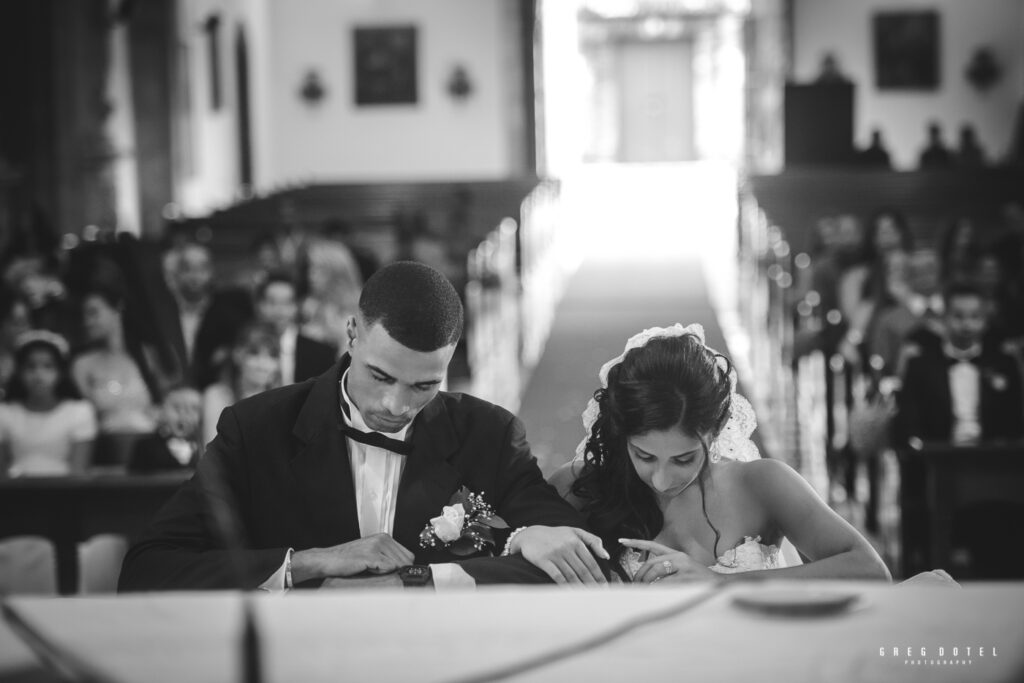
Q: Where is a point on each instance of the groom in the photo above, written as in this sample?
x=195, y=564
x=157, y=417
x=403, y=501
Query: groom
x=335, y=478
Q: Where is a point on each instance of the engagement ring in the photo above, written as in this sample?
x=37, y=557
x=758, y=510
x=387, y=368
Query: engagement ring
x=669, y=567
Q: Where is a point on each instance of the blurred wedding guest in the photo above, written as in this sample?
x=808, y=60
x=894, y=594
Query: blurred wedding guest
x=111, y=377
x=252, y=368
x=42, y=290
x=916, y=300
x=334, y=283
x=1006, y=307
x=14, y=321
x=935, y=154
x=205, y=320
x=970, y=154
x=875, y=155
x=960, y=389
x=864, y=289
x=340, y=230
x=175, y=444
x=45, y=427
x=960, y=246
x=277, y=306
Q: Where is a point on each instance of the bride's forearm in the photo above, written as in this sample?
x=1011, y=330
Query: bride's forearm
x=856, y=564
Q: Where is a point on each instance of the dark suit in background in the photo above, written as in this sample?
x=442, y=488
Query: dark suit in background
x=925, y=405
x=282, y=458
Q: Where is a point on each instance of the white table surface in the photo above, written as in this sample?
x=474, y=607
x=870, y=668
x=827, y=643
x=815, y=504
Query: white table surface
x=422, y=636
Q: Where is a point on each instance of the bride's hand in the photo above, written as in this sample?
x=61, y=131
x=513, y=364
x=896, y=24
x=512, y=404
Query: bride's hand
x=666, y=564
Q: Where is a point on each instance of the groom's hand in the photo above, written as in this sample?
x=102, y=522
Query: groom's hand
x=564, y=553
x=377, y=554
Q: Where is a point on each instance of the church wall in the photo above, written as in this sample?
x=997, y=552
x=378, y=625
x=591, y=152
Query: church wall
x=438, y=137
x=844, y=28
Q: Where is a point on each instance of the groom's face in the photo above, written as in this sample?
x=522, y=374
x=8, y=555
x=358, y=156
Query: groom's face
x=388, y=382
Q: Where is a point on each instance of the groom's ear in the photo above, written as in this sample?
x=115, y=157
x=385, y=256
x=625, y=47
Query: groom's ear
x=351, y=330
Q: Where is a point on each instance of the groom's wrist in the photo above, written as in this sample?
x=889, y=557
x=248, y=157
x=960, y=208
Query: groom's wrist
x=305, y=566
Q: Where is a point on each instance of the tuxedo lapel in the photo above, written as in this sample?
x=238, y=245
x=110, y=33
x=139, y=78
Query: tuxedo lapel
x=320, y=464
x=429, y=479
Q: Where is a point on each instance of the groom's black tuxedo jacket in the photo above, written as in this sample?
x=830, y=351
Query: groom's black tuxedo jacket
x=281, y=461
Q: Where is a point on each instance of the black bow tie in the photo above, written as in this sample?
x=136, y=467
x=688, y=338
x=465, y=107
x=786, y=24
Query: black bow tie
x=378, y=440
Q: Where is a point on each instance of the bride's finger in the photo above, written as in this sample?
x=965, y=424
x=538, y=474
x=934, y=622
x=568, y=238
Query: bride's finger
x=651, y=546
x=654, y=569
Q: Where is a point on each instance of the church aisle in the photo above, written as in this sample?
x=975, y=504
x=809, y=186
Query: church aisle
x=651, y=234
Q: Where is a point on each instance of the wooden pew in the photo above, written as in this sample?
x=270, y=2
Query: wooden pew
x=70, y=510
x=962, y=510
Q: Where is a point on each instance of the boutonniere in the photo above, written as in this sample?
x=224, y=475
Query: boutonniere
x=465, y=526
x=998, y=382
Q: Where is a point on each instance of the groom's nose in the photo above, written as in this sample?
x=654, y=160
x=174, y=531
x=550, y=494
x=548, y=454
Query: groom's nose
x=396, y=401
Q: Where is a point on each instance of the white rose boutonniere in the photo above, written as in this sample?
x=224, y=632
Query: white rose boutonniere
x=448, y=527
x=465, y=526
x=998, y=382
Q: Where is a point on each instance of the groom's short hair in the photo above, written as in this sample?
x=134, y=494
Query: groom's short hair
x=417, y=305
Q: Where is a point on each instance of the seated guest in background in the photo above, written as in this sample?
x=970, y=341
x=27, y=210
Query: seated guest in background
x=43, y=291
x=935, y=154
x=252, y=368
x=1006, y=307
x=14, y=321
x=205, y=321
x=959, y=247
x=307, y=476
x=175, y=445
x=864, y=289
x=958, y=388
x=110, y=377
x=340, y=230
x=334, y=283
x=300, y=357
x=875, y=155
x=916, y=298
x=45, y=427
x=970, y=154
x=669, y=479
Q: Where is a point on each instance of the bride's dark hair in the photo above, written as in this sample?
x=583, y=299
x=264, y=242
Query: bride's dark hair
x=668, y=382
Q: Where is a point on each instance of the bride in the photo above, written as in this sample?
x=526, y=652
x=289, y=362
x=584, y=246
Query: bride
x=671, y=482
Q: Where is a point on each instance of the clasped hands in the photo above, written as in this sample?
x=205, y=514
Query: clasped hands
x=566, y=554
x=666, y=564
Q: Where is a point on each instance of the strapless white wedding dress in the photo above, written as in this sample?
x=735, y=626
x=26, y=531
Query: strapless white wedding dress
x=750, y=555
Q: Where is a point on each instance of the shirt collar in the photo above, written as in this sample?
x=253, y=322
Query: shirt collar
x=968, y=354
x=353, y=418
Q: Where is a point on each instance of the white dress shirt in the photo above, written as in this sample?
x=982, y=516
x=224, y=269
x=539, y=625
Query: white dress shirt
x=287, y=356
x=376, y=472
x=965, y=393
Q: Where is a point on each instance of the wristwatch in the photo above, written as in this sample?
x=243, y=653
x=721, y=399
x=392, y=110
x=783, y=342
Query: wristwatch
x=415, y=575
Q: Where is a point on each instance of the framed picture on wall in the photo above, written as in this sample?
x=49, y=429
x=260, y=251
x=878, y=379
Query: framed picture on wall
x=385, y=63
x=906, y=46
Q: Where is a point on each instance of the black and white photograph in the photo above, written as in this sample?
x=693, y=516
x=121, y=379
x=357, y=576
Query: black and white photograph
x=466, y=341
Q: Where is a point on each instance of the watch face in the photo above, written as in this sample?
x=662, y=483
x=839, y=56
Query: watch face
x=414, y=575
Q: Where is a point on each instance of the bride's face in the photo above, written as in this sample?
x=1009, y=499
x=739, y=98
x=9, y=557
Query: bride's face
x=667, y=461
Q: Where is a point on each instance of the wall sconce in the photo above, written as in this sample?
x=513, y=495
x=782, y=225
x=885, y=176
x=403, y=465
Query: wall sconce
x=460, y=87
x=983, y=71
x=312, y=90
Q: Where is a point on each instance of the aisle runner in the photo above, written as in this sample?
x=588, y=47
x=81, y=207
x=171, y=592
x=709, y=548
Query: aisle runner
x=606, y=303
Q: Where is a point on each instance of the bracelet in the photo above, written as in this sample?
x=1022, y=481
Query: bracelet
x=508, y=544
x=288, y=570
